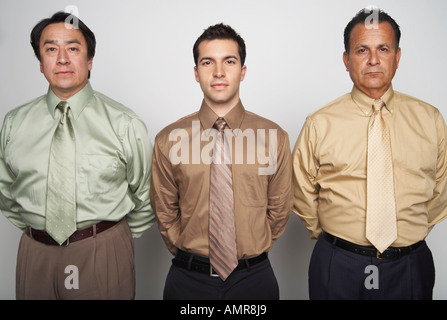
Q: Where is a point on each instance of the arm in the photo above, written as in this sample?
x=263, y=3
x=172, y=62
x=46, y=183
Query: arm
x=280, y=189
x=305, y=169
x=7, y=202
x=165, y=197
x=139, y=157
x=437, y=207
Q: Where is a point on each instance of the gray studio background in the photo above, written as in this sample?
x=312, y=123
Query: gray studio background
x=294, y=60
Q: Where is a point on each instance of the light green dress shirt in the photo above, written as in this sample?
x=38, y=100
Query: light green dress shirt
x=113, y=161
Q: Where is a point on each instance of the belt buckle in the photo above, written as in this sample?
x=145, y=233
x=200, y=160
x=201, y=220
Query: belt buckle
x=212, y=272
x=378, y=255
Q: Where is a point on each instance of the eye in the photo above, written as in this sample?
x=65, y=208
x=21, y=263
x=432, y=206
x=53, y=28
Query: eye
x=51, y=49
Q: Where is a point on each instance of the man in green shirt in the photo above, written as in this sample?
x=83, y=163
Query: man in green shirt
x=111, y=176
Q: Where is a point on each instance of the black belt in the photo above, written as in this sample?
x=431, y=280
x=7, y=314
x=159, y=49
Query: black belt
x=390, y=253
x=200, y=264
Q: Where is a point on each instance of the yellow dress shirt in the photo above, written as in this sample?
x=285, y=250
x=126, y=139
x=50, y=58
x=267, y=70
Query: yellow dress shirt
x=329, y=163
x=262, y=179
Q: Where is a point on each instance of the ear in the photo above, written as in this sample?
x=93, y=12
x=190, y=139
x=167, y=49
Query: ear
x=196, y=74
x=41, y=67
x=346, y=60
x=90, y=64
x=398, y=54
x=243, y=72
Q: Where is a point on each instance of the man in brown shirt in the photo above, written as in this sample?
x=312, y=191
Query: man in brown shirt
x=330, y=177
x=261, y=180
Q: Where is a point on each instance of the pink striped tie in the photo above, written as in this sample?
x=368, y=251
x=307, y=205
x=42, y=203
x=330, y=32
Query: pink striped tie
x=223, y=252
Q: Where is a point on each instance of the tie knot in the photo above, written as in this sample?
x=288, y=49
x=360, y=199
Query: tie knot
x=63, y=106
x=378, y=104
x=219, y=124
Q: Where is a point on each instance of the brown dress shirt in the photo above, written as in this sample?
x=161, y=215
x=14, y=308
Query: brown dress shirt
x=329, y=163
x=262, y=179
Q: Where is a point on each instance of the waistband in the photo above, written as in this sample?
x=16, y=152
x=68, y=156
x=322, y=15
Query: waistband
x=200, y=264
x=45, y=238
x=391, y=253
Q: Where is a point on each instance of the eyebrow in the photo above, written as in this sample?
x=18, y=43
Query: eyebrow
x=225, y=58
x=66, y=42
x=381, y=45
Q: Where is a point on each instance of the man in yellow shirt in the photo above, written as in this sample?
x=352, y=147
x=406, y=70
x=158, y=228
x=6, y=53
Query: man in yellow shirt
x=334, y=190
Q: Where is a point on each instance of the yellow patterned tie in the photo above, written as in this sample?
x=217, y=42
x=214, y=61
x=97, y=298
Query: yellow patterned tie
x=381, y=226
x=60, y=213
x=223, y=252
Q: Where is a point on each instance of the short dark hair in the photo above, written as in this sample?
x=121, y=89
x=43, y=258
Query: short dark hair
x=220, y=31
x=362, y=16
x=59, y=17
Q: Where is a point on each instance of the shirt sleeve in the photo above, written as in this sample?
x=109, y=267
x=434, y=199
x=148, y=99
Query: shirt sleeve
x=280, y=190
x=139, y=158
x=165, y=197
x=7, y=203
x=437, y=207
x=305, y=169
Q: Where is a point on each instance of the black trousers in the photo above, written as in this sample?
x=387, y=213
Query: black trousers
x=335, y=273
x=255, y=283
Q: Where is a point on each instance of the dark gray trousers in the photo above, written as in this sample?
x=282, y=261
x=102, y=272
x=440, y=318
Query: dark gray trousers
x=335, y=273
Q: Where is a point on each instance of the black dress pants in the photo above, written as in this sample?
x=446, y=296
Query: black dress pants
x=335, y=273
x=255, y=283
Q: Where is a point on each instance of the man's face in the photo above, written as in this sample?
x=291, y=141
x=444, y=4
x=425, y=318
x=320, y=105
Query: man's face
x=63, y=59
x=372, y=61
x=219, y=72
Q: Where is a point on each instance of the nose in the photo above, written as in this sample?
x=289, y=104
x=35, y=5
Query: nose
x=219, y=71
x=62, y=57
x=373, y=58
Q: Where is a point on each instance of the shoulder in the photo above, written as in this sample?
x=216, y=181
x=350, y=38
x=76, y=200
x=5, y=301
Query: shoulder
x=406, y=99
x=113, y=105
x=124, y=119
x=258, y=122
x=408, y=104
x=26, y=107
x=332, y=107
x=29, y=109
x=184, y=123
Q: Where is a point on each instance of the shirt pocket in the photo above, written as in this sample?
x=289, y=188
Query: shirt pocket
x=252, y=187
x=98, y=174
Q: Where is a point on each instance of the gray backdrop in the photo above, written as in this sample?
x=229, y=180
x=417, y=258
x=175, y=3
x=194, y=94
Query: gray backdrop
x=294, y=59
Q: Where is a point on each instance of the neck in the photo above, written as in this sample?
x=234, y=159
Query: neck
x=375, y=93
x=67, y=94
x=221, y=109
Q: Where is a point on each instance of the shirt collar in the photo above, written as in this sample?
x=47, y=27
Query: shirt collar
x=365, y=103
x=233, y=118
x=77, y=102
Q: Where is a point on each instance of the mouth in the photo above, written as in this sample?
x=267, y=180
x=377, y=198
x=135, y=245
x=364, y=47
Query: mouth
x=219, y=86
x=64, y=73
x=373, y=72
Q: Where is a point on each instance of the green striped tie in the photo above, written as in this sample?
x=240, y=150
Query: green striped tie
x=61, y=191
